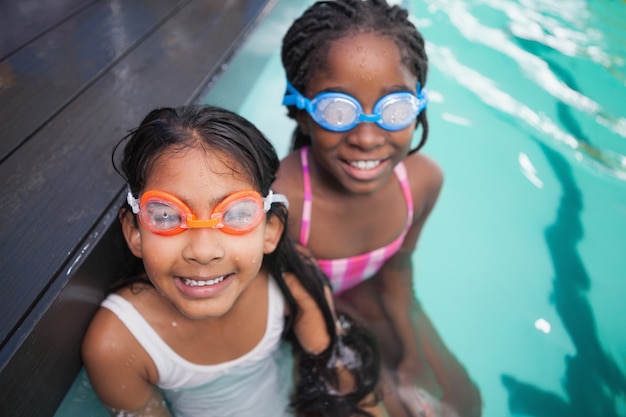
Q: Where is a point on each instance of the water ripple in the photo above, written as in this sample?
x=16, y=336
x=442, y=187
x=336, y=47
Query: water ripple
x=564, y=29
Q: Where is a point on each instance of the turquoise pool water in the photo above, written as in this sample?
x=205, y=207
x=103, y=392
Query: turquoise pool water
x=522, y=266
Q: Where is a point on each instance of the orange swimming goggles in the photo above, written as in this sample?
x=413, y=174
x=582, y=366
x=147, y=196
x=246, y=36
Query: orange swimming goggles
x=165, y=214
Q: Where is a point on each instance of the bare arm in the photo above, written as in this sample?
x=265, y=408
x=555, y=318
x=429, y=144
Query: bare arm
x=395, y=280
x=309, y=324
x=120, y=371
x=155, y=407
x=310, y=329
x=398, y=302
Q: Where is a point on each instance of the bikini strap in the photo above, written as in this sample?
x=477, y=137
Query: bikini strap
x=403, y=178
x=308, y=197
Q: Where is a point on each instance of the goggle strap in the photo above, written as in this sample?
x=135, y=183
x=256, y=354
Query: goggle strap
x=422, y=96
x=291, y=95
x=274, y=198
x=132, y=201
x=294, y=98
x=289, y=100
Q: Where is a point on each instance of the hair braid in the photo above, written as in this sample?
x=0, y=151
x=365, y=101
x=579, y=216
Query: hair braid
x=306, y=43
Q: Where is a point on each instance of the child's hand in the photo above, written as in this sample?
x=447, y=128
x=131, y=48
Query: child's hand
x=419, y=391
x=409, y=373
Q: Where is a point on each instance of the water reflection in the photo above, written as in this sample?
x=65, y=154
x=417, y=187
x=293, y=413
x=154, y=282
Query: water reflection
x=593, y=382
x=555, y=70
x=530, y=26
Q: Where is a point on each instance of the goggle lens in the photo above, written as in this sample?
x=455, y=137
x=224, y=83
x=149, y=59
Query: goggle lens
x=397, y=111
x=337, y=111
x=160, y=215
x=242, y=215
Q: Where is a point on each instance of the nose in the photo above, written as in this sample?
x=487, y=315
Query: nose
x=203, y=245
x=366, y=135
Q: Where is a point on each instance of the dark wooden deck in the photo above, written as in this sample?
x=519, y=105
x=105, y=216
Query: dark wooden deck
x=74, y=77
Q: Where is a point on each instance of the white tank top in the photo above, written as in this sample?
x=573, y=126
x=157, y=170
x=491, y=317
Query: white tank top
x=257, y=383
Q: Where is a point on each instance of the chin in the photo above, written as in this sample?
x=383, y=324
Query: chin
x=205, y=312
x=363, y=188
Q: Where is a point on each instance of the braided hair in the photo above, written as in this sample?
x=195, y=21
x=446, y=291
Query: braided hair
x=308, y=40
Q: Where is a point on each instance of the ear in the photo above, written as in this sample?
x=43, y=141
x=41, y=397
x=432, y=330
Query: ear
x=303, y=119
x=273, y=231
x=131, y=231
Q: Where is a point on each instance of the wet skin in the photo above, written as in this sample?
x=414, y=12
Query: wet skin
x=225, y=264
x=366, y=66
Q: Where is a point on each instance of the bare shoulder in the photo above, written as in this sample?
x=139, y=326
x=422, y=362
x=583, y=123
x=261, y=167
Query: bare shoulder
x=425, y=169
x=289, y=176
x=107, y=337
x=425, y=177
x=289, y=182
x=101, y=340
x=107, y=345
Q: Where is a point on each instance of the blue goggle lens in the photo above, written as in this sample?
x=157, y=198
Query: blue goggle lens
x=335, y=111
x=397, y=110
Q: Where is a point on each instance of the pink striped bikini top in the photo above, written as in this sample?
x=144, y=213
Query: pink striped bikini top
x=345, y=273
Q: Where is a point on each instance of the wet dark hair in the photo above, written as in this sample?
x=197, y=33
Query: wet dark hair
x=307, y=42
x=250, y=154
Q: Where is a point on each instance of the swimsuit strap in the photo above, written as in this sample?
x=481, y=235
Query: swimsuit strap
x=403, y=177
x=308, y=197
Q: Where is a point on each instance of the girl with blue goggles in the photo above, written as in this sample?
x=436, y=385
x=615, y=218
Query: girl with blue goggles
x=340, y=112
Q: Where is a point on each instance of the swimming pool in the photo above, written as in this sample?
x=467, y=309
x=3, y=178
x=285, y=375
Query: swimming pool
x=522, y=265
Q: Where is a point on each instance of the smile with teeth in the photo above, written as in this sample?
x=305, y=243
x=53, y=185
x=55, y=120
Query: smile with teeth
x=194, y=283
x=365, y=164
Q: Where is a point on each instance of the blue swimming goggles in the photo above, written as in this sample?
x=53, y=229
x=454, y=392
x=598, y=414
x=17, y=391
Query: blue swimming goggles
x=339, y=112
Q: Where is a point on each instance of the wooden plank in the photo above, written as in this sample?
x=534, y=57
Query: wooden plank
x=55, y=186
x=21, y=21
x=35, y=382
x=49, y=73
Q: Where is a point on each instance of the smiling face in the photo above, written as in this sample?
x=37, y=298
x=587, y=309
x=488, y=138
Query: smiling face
x=366, y=66
x=202, y=271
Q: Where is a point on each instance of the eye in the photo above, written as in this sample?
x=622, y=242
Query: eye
x=242, y=215
x=160, y=216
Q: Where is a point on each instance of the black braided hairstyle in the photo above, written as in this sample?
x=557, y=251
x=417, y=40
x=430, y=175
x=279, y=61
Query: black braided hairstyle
x=218, y=130
x=308, y=40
